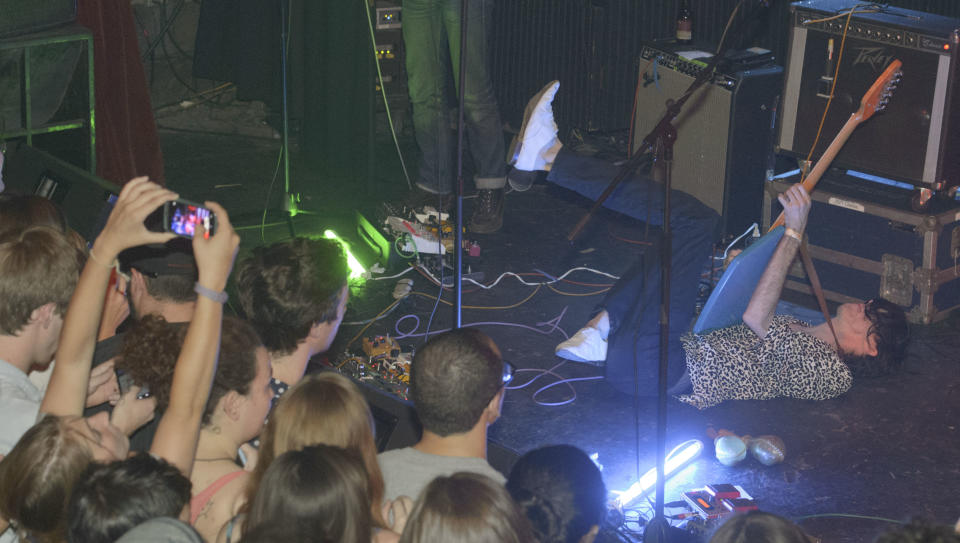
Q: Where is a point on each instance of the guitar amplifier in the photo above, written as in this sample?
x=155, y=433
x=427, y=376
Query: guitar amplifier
x=916, y=139
x=724, y=132
x=26, y=16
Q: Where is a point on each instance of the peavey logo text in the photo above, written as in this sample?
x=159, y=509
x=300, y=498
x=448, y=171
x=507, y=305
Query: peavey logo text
x=876, y=57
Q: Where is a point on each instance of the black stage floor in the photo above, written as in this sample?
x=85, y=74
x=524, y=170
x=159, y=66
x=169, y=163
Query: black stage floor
x=885, y=450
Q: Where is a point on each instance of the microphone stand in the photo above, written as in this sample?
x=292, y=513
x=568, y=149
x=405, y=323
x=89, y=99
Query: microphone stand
x=458, y=235
x=662, y=137
x=291, y=200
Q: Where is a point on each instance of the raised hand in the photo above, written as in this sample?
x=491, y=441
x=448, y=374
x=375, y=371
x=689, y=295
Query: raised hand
x=215, y=254
x=125, y=228
x=796, y=207
x=131, y=412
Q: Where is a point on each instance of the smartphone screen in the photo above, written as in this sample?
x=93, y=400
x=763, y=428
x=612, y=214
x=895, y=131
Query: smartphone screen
x=183, y=217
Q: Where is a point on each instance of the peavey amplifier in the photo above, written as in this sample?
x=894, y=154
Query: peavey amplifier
x=916, y=138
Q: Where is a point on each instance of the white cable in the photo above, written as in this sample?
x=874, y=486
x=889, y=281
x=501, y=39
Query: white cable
x=404, y=272
x=751, y=228
x=519, y=278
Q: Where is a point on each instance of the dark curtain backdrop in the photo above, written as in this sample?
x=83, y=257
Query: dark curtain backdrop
x=330, y=72
x=126, y=132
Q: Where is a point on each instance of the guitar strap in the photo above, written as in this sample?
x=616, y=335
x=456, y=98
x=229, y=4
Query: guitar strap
x=817, y=289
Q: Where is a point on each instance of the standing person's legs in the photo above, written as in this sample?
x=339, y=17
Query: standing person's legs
x=481, y=113
x=428, y=63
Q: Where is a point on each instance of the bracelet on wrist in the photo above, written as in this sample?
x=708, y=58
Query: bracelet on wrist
x=101, y=262
x=219, y=297
x=793, y=234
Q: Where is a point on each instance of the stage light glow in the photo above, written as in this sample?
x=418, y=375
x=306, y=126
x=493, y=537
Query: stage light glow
x=356, y=269
x=678, y=458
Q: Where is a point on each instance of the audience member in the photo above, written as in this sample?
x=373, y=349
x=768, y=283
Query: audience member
x=328, y=409
x=19, y=212
x=38, y=273
x=457, y=385
x=759, y=527
x=161, y=284
x=161, y=279
x=111, y=499
x=38, y=475
x=294, y=293
x=561, y=491
x=467, y=508
x=238, y=404
x=318, y=493
x=919, y=530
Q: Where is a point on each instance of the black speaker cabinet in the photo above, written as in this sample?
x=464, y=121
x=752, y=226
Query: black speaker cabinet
x=83, y=197
x=724, y=132
x=915, y=139
x=25, y=16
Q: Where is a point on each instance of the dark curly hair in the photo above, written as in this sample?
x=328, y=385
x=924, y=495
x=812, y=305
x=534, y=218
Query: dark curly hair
x=150, y=350
x=286, y=288
x=889, y=329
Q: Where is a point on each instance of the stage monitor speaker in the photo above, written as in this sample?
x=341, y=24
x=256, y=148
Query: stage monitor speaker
x=25, y=16
x=724, y=132
x=915, y=139
x=83, y=197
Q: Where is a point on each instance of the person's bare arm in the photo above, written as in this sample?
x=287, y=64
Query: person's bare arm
x=176, y=438
x=67, y=392
x=760, y=310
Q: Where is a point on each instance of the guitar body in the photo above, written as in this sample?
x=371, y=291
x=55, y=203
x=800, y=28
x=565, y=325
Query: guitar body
x=730, y=297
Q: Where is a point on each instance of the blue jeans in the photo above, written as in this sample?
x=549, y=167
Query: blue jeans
x=431, y=36
x=634, y=302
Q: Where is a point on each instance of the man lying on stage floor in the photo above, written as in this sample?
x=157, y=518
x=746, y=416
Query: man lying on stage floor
x=767, y=356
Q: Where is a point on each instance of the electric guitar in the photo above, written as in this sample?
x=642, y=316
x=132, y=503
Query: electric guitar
x=874, y=100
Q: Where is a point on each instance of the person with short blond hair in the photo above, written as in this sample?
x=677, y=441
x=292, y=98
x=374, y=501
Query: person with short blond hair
x=38, y=273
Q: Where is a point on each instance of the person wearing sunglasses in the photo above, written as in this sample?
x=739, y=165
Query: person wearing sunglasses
x=457, y=384
x=770, y=356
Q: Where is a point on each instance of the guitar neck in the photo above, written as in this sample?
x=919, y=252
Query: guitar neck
x=811, y=180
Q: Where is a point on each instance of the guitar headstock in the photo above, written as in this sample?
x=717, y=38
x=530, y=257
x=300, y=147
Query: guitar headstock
x=879, y=94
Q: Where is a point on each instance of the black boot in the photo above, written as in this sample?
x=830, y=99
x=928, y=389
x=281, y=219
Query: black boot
x=487, y=215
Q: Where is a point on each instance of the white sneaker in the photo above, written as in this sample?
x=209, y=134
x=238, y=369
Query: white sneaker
x=587, y=345
x=536, y=146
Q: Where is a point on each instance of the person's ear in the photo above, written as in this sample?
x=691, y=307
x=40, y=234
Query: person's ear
x=138, y=285
x=43, y=315
x=318, y=330
x=872, y=345
x=232, y=404
x=493, y=408
x=591, y=535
